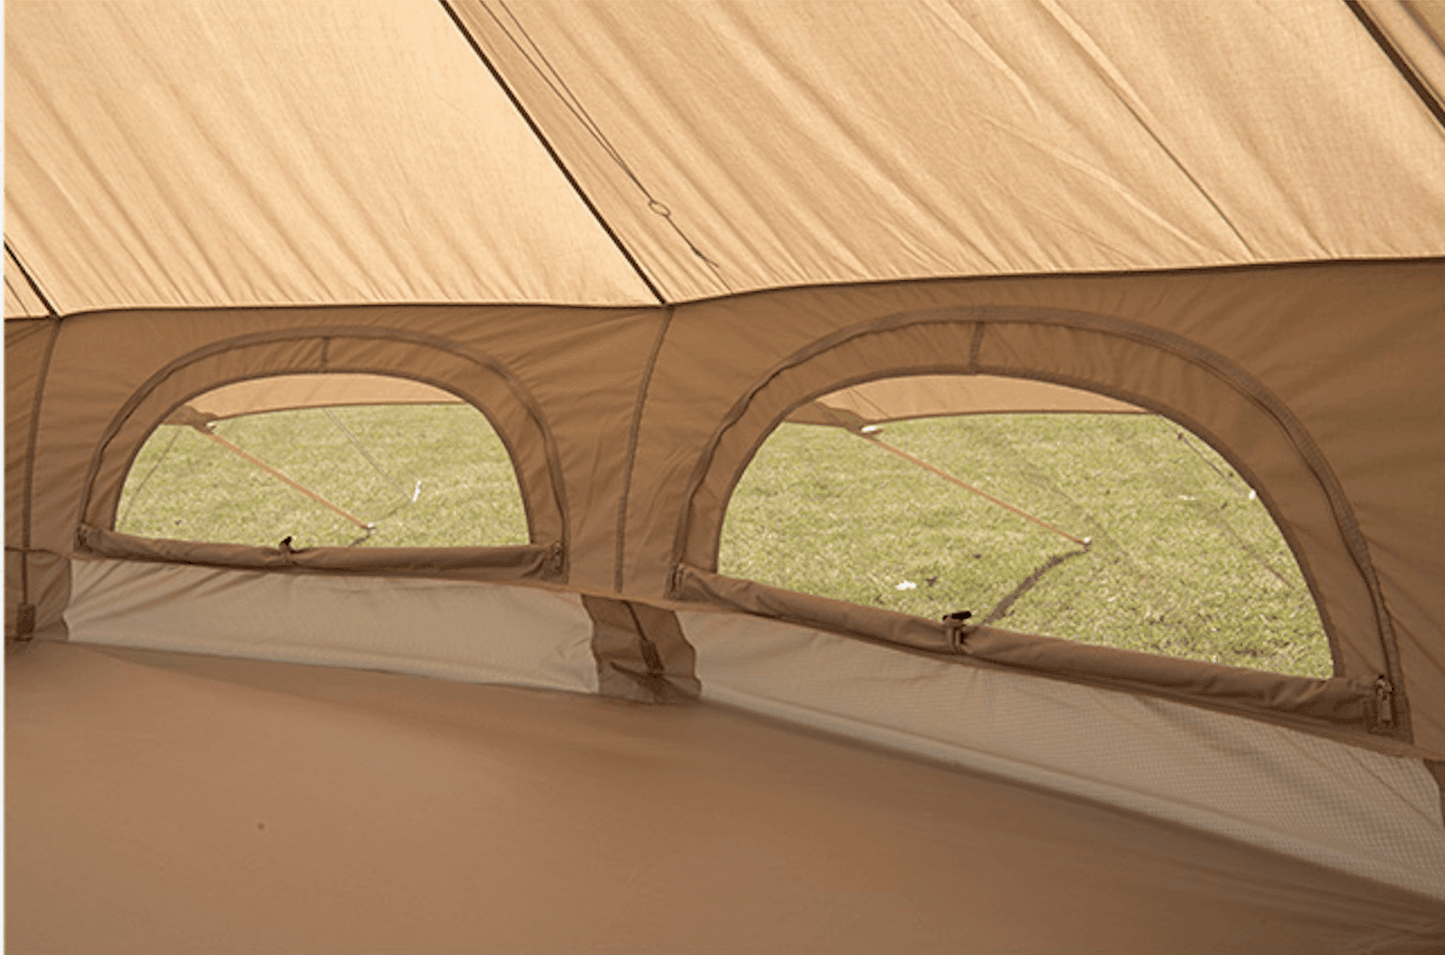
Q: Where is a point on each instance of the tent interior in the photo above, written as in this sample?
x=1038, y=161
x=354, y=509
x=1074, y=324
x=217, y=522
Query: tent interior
x=638, y=239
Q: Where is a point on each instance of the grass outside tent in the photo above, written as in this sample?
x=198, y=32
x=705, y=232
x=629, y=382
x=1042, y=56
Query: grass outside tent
x=184, y=486
x=1184, y=560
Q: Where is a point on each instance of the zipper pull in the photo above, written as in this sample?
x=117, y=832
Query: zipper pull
x=1384, y=702
x=958, y=629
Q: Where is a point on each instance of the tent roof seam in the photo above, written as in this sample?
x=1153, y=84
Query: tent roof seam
x=552, y=153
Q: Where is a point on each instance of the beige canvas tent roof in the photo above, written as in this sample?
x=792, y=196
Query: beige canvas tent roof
x=638, y=236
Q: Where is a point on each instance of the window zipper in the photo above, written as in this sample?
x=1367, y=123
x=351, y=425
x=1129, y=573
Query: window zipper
x=1384, y=702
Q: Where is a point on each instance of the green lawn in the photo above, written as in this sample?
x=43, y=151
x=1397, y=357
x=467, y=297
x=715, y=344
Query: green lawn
x=1182, y=561
x=202, y=491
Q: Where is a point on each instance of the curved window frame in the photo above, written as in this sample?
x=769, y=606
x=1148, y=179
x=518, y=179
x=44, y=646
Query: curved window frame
x=1074, y=349
x=484, y=385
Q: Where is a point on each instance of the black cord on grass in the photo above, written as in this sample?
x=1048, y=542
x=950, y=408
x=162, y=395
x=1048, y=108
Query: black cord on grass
x=1005, y=606
x=1101, y=541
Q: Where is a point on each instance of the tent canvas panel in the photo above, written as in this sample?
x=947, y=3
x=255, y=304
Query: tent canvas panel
x=792, y=143
x=252, y=115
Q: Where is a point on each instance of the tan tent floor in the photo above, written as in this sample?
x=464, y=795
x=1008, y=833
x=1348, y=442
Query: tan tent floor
x=161, y=802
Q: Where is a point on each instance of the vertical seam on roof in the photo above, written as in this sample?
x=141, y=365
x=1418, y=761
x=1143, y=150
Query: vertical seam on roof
x=1074, y=30
x=31, y=280
x=1398, y=61
x=629, y=463
x=516, y=102
x=537, y=59
x=10, y=288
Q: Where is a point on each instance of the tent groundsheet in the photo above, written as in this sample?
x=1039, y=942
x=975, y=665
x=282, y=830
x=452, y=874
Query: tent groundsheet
x=173, y=803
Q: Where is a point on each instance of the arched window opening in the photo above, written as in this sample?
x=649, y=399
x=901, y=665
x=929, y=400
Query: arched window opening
x=1120, y=529
x=325, y=461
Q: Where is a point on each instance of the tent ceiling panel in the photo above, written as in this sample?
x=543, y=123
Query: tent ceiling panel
x=289, y=392
x=793, y=143
x=202, y=154
x=927, y=396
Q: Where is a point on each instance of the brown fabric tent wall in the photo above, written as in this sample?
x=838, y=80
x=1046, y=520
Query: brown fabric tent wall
x=639, y=236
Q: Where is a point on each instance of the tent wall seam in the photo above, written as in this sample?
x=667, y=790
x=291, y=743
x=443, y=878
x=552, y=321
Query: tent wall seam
x=27, y=504
x=920, y=281
x=630, y=463
x=546, y=144
x=25, y=614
